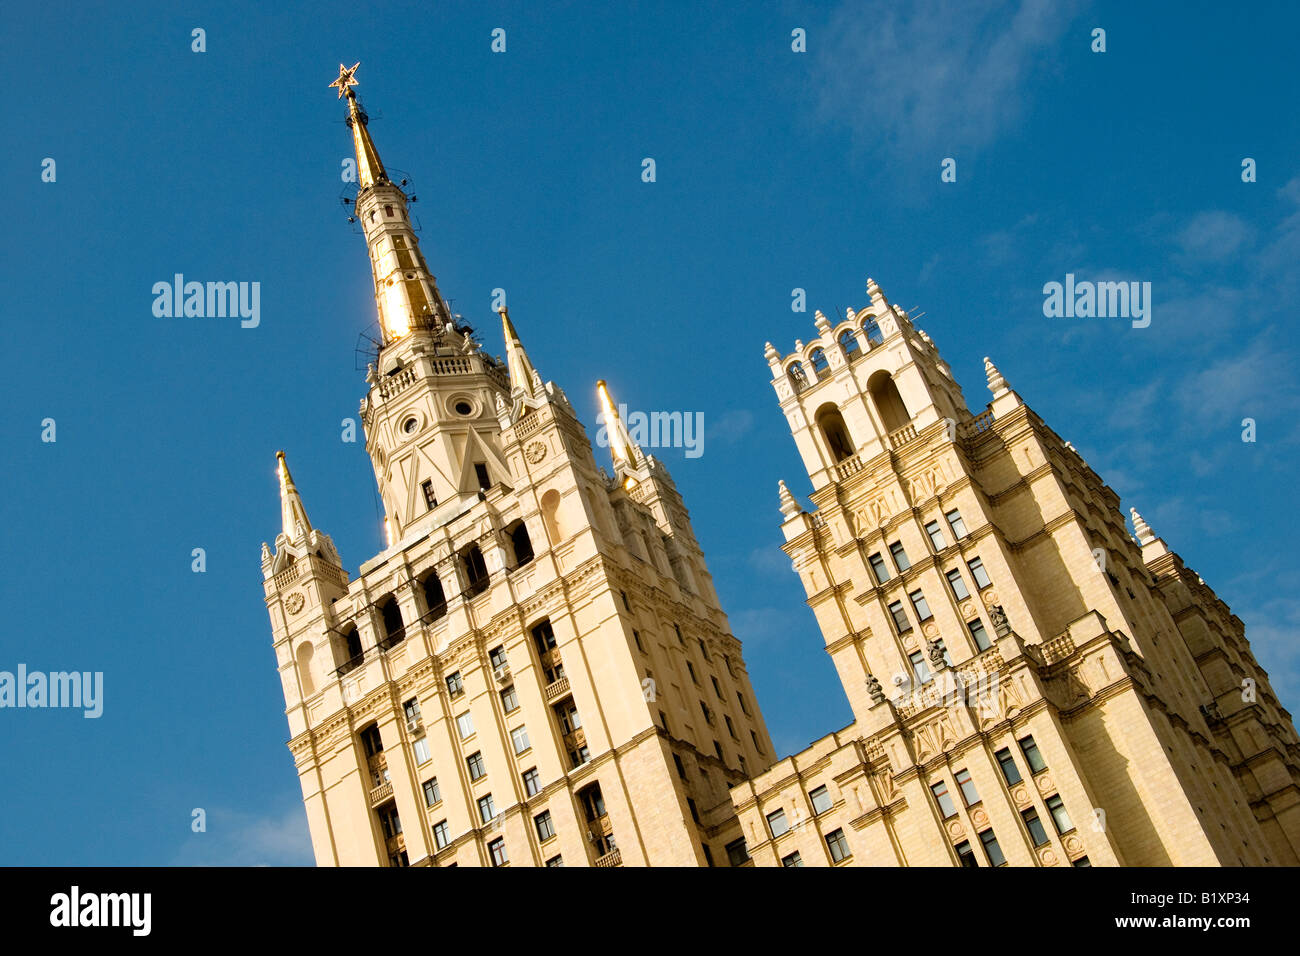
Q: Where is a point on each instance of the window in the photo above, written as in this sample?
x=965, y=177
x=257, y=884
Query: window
x=776, y=822
x=942, y=797
x=435, y=599
x=441, y=834
x=919, y=667
x=936, y=536
x=567, y=714
x=636, y=636
x=737, y=853
x=819, y=363
x=730, y=728
x=794, y=859
x=978, y=573
x=519, y=737
x=716, y=688
x=922, y=608
x=872, y=331
x=1082, y=861
x=695, y=811
x=627, y=605
x=965, y=855
x=968, y=792
x=476, y=574
x=497, y=657
x=455, y=685
x=718, y=748
x=544, y=636
x=432, y=795
x=421, y=747
x=1035, y=826
x=901, y=623
x=477, y=768
x=821, y=800
x=991, y=848
x=958, y=586
x=681, y=770
x=708, y=854
x=1032, y=756
x=1056, y=807
x=1010, y=772
x=465, y=724
x=509, y=699
x=704, y=650
x=691, y=668
x=371, y=741
x=411, y=709
x=678, y=631
x=481, y=473
x=487, y=809
x=849, y=343
x=497, y=849
x=555, y=861
x=900, y=556
x=878, y=568
x=430, y=502
x=521, y=544
x=394, y=631
x=958, y=526
x=757, y=746
x=390, y=821
x=981, y=637
x=532, y=782
x=838, y=846
x=708, y=715
x=743, y=709
x=545, y=826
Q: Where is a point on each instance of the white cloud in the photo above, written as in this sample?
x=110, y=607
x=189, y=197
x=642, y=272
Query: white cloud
x=235, y=838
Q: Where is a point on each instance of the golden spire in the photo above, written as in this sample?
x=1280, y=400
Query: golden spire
x=522, y=373
x=370, y=169
x=293, y=516
x=621, y=445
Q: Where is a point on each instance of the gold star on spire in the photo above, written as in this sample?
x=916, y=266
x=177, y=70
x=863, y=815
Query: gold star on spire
x=346, y=78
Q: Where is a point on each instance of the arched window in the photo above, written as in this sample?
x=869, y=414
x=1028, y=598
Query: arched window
x=872, y=331
x=435, y=600
x=520, y=543
x=819, y=363
x=551, y=516
x=849, y=343
x=394, y=630
x=352, y=648
x=304, y=669
x=835, y=433
x=476, y=575
x=889, y=404
x=798, y=377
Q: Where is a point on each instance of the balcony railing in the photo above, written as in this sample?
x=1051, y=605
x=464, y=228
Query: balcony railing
x=849, y=466
x=612, y=858
x=900, y=437
x=557, y=689
x=381, y=793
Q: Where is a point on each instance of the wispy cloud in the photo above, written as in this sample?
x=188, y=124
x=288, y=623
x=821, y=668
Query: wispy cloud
x=234, y=838
x=934, y=74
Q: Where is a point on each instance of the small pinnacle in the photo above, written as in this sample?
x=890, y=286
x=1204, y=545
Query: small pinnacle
x=789, y=506
x=1141, y=529
x=997, y=384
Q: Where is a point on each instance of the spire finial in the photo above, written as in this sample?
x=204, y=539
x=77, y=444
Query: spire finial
x=997, y=384
x=823, y=324
x=622, y=448
x=789, y=505
x=294, y=522
x=1141, y=528
x=369, y=168
x=523, y=377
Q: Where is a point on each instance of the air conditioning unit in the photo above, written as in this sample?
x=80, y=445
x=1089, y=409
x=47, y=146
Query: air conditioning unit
x=502, y=671
x=413, y=724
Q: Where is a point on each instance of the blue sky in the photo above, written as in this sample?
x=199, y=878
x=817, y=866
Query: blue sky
x=775, y=170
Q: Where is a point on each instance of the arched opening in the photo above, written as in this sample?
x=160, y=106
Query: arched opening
x=351, y=648
x=849, y=343
x=520, y=543
x=872, y=331
x=821, y=367
x=551, y=516
x=835, y=433
x=394, y=630
x=304, y=669
x=798, y=377
x=435, y=599
x=889, y=404
x=476, y=574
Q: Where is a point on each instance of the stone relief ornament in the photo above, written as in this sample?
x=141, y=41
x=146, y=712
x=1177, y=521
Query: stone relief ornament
x=294, y=602
x=535, y=452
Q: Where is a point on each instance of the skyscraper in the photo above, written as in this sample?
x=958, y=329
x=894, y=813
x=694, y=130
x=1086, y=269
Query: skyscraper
x=536, y=670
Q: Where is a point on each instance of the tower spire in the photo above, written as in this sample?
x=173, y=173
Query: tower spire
x=523, y=377
x=293, y=515
x=370, y=169
x=622, y=448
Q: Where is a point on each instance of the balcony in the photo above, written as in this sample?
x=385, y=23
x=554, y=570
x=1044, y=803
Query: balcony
x=395, y=844
x=556, y=689
x=381, y=793
x=902, y=436
x=848, y=467
x=612, y=858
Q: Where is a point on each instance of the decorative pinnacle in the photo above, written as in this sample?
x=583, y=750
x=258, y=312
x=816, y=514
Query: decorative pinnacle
x=1141, y=528
x=823, y=324
x=770, y=353
x=789, y=506
x=997, y=384
x=347, y=78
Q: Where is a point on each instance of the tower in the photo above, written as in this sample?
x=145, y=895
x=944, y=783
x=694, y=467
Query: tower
x=536, y=670
x=1029, y=684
